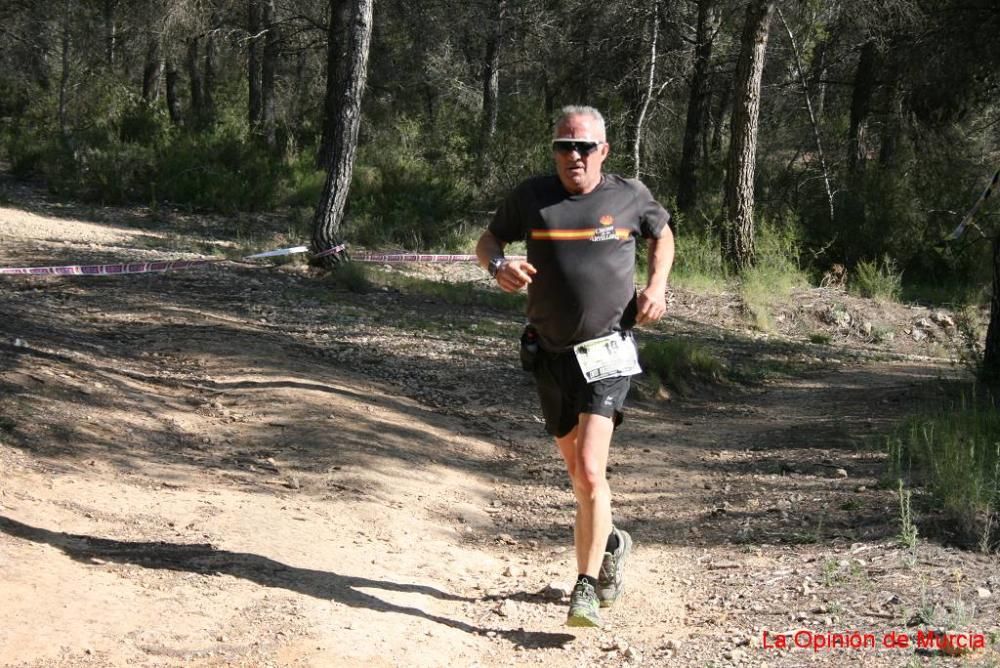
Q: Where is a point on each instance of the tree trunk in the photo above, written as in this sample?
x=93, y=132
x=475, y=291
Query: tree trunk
x=738, y=251
x=991, y=352
x=208, y=93
x=817, y=75
x=253, y=62
x=152, y=70
x=893, y=123
x=110, y=32
x=330, y=212
x=491, y=81
x=812, y=114
x=648, y=97
x=173, y=99
x=39, y=62
x=64, y=74
x=861, y=98
x=550, y=96
x=719, y=118
x=335, y=58
x=268, y=67
x=196, y=82
x=698, y=106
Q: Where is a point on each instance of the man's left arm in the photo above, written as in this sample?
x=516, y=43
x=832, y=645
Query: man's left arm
x=652, y=302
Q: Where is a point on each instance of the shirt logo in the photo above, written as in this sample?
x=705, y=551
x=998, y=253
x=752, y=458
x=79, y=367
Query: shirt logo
x=605, y=234
x=607, y=220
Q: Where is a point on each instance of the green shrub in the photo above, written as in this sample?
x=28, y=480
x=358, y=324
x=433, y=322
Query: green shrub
x=352, y=276
x=409, y=188
x=680, y=364
x=955, y=454
x=774, y=276
x=304, y=184
x=219, y=170
x=878, y=280
x=698, y=259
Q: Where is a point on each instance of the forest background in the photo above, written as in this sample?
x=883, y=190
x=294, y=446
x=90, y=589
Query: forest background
x=878, y=121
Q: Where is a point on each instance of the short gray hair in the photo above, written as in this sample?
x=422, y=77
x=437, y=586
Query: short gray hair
x=578, y=110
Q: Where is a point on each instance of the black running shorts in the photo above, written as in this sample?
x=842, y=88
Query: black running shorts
x=565, y=393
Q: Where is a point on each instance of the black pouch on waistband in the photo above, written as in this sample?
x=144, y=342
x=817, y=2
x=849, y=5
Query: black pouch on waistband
x=529, y=348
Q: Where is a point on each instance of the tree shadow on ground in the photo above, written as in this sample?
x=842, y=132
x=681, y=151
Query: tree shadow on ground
x=205, y=559
x=375, y=341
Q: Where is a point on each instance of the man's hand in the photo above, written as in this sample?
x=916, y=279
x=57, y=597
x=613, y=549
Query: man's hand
x=652, y=305
x=515, y=274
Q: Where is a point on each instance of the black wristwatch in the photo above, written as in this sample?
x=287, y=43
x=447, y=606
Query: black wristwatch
x=494, y=266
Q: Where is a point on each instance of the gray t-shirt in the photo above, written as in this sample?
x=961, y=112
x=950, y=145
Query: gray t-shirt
x=583, y=247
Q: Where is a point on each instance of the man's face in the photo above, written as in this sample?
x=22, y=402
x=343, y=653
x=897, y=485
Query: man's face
x=579, y=173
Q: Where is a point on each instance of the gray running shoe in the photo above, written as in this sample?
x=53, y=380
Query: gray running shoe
x=584, y=606
x=609, y=579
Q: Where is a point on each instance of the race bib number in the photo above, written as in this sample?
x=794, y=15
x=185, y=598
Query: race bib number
x=607, y=357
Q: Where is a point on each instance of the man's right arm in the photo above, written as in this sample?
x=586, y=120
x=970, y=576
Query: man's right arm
x=511, y=275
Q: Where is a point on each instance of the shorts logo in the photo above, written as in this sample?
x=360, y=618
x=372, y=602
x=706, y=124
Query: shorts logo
x=608, y=400
x=607, y=220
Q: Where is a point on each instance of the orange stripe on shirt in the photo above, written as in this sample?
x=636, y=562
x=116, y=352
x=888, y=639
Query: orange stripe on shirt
x=564, y=235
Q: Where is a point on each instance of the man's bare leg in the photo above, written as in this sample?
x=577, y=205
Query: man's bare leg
x=585, y=451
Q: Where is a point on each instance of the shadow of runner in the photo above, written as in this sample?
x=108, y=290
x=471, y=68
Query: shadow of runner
x=204, y=559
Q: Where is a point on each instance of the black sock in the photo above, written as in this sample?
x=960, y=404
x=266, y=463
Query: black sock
x=586, y=578
x=612, y=542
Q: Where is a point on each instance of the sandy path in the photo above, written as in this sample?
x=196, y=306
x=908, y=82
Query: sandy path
x=247, y=467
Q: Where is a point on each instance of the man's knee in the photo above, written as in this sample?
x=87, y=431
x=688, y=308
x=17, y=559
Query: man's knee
x=589, y=478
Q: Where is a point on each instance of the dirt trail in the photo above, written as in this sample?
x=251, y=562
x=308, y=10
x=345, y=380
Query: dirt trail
x=250, y=467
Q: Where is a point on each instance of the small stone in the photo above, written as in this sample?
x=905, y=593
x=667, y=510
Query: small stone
x=943, y=319
x=614, y=644
x=918, y=335
x=672, y=645
x=293, y=483
x=507, y=608
x=840, y=473
x=982, y=592
x=555, y=591
x=632, y=654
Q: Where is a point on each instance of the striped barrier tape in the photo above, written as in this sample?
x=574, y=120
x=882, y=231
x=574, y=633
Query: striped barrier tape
x=967, y=218
x=171, y=265
x=106, y=269
x=390, y=258
x=148, y=267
